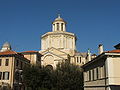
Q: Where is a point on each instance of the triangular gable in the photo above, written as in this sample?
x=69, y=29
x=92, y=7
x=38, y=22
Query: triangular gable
x=48, y=53
x=54, y=50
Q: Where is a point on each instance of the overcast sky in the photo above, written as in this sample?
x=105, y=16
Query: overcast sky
x=94, y=22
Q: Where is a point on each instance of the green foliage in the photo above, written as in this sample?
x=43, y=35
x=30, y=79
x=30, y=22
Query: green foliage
x=31, y=76
x=69, y=77
x=65, y=77
x=43, y=89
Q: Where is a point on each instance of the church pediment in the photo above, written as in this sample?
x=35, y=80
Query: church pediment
x=55, y=52
x=52, y=59
x=54, y=55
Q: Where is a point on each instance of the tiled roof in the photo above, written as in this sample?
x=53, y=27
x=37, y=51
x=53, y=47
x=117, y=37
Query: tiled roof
x=8, y=52
x=12, y=53
x=29, y=52
x=80, y=54
x=117, y=46
x=114, y=51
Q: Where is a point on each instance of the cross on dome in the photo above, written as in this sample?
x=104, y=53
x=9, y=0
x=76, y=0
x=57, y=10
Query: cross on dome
x=58, y=15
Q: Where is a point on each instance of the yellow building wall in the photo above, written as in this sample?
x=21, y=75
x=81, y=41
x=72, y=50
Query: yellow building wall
x=9, y=68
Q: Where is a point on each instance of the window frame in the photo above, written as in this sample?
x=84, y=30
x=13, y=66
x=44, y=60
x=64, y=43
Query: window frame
x=62, y=26
x=93, y=73
x=7, y=62
x=90, y=75
x=97, y=73
x=6, y=75
x=57, y=26
x=17, y=62
x=0, y=75
x=77, y=59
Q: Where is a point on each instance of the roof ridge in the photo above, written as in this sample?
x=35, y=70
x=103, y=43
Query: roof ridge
x=8, y=52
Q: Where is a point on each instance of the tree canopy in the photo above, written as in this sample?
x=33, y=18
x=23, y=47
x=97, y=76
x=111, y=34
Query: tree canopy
x=65, y=77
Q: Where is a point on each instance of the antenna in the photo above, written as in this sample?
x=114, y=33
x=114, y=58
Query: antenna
x=58, y=13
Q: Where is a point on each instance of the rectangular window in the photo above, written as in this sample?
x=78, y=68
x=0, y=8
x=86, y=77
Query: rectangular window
x=0, y=62
x=77, y=59
x=17, y=62
x=7, y=62
x=97, y=73
x=0, y=75
x=93, y=74
x=5, y=75
x=21, y=65
x=89, y=75
x=62, y=26
x=80, y=59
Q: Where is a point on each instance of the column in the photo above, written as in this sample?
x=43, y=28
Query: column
x=60, y=27
x=64, y=29
x=55, y=27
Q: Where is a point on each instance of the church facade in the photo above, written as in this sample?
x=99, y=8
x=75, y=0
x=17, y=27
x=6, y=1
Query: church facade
x=60, y=46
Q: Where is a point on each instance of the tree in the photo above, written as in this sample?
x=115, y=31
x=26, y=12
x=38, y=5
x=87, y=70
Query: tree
x=65, y=77
x=69, y=77
x=37, y=77
x=31, y=77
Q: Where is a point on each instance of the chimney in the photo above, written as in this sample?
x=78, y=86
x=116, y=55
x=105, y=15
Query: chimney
x=100, y=49
x=89, y=55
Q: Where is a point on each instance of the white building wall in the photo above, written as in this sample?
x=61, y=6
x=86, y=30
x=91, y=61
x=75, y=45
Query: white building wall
x=113, y=64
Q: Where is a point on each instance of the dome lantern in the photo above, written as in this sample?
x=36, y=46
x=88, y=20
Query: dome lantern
x=59, y=24
x=6, y=47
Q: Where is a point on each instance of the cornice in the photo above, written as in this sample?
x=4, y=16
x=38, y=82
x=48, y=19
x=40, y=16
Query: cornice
x=58, y=33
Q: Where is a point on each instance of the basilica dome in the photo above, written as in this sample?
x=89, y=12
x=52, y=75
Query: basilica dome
x=59, y=19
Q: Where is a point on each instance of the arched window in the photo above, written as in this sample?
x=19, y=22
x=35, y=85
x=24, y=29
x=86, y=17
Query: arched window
x=77, y=59
x=49, y=67
x=57, y=26
x=61, y=26
x=80, y=59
